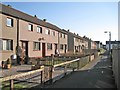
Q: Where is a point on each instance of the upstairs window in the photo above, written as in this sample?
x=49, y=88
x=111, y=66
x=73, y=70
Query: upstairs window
x=47, y=32
x=30, y=27
x=61, y=35
x=76, y=39
x=64, y=35
x=10, y=22
x=53, y=33
x=39, y=29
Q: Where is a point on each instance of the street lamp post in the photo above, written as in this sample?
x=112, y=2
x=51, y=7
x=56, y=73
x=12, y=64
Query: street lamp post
x=109, y=40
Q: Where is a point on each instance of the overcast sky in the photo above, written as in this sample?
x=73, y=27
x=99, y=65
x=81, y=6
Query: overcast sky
x=85, y=18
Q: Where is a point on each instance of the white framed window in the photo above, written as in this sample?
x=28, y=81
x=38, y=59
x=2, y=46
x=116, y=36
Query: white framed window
x=6, y=45
x=47, y=32
x=76, y=39
x=10, y=22
x=64, y=36
x=30, y=27
x=53, y=33
x=49, y=46
x=39, y=29
x=36, y=45
x=0, y=44
x=61, y=35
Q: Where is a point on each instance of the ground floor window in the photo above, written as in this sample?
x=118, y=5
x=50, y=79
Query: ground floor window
x=65, y=46
x=36, y=45
x=49, y=46
x=76, y=48
x=0, y=44
x=61, y=46
x=6, y=44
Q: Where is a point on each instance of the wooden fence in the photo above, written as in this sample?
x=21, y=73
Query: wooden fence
x=79, y=62
x=12, y=77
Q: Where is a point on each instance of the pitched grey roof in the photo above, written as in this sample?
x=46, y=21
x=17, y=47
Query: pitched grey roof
x=76, y=36
x=21, y=15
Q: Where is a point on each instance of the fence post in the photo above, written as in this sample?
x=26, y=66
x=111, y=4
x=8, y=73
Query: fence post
x=78, y=64
x=11, y=84
x=52, y=59
x=73, y=67
x=89, y=57
x=51, y=74
x=41, y=77
x=65, y=70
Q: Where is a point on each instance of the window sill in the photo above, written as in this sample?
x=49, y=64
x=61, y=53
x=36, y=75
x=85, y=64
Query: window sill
x=36, y=50
x=6, y=51
x=47, y=34
x=30, y=31
x=9, y=26
x=39, y=32
x=61, y=49
x=49, y=49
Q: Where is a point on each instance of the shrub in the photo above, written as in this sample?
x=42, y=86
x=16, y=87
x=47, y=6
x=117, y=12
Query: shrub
x=8, y=61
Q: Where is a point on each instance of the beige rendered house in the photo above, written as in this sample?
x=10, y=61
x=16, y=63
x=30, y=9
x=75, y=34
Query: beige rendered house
x=75, y=43
x=38, y=37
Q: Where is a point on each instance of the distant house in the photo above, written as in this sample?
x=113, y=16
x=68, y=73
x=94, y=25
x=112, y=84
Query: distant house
x=91, y=44
x=104, y=46
x=75, y=42
x=113, y=43
x=98, y=44
x=62, y=42
x=101, y=45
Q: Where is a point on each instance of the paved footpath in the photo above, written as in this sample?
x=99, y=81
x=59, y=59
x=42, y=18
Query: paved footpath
x=97, y=74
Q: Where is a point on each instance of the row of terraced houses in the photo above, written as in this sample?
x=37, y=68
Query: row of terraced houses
x=39, y=37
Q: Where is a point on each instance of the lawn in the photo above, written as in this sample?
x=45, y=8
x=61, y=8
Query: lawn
x=6, y=86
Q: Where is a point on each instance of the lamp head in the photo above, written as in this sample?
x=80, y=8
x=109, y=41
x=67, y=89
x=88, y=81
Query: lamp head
x=105, y=31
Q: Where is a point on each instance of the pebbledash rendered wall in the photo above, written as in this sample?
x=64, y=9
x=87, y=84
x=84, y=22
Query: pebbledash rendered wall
x=115, y=65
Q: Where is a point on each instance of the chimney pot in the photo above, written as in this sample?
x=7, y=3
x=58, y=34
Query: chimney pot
x=9, y=5
x=44, y=20
x=35, y=16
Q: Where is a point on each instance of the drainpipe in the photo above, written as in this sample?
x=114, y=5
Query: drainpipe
x=17, y=51
x=58, y=43
x=17, y=31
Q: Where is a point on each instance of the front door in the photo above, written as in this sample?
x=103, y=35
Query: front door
x=43, y=50
x=25, y=46
x=56, y=46
x=65, y=48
